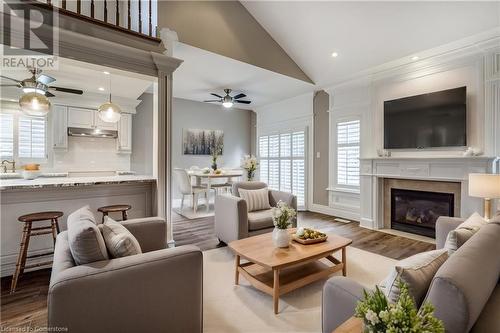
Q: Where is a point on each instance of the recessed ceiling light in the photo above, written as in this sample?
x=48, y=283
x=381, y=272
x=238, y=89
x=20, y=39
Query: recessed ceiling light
x=105, y=72
x=335, y=54
x=414, y=58
x=101, y=88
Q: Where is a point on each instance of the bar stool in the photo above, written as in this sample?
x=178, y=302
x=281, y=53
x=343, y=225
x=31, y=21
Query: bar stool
x=28, y=232
x=105, y=210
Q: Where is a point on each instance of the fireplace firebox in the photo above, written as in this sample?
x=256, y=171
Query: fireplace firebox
x=417, y=211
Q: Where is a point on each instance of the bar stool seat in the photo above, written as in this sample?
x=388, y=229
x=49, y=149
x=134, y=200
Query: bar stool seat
x=28, y=232
x=105, y=210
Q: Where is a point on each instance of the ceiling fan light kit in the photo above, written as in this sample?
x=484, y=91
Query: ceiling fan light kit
x=34, y=104
x=228, y=101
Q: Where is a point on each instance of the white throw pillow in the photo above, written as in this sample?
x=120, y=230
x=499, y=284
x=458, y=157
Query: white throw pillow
x=256, y=199
x=417, y=272
x=85, y=240
x=463, y=232
x=119, y=241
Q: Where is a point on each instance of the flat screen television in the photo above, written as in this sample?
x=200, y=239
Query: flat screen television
x=431, y=120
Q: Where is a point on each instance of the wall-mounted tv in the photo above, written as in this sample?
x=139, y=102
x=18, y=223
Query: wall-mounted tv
x=431, y=120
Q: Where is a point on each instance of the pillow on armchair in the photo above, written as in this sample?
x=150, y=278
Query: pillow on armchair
x=463, y=232
x=256, y=199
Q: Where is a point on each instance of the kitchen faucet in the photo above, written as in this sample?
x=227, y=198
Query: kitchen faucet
x=4, y=166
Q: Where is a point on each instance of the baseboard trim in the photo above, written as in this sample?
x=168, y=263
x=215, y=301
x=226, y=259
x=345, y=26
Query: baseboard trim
x=335, y=212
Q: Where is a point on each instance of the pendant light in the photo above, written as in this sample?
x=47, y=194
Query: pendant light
x=34, y=104
x=109, y=112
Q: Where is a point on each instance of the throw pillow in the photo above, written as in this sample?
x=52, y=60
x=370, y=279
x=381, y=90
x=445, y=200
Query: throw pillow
x=463, y=232
x=85, y=240
x=256, y=199
x=119, y=241
x=417, y=271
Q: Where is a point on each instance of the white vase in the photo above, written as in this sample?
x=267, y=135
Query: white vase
x=281, y=237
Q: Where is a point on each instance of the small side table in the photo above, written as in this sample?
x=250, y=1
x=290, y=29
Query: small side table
x=351, y=325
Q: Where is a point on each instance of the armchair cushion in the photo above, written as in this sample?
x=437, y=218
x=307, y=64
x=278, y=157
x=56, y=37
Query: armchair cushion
x=85, y=239
x=119, y=241
x=256, y=199
x=261, y=219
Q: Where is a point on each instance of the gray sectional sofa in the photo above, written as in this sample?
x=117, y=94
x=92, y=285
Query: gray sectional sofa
x=160, y=290
x=465, y=290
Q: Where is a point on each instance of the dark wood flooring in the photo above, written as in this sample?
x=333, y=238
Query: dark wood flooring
x=27, y=308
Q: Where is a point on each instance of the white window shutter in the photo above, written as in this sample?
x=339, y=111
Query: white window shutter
x=263, y=146
x=32, y=137
x=6, y=136
x=348, y=138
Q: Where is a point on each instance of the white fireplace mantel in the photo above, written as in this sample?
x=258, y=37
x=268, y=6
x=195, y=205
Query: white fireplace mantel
x=450, y=169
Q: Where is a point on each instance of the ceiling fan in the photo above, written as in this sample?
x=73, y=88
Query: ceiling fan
x=228, y=101
x=38, y=83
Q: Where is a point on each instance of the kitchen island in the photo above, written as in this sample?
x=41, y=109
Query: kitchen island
x=66, y=194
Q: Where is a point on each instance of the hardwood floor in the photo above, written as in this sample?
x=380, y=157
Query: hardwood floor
x=27, y=308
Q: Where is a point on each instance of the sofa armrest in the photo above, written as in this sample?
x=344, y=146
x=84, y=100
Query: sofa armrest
x=231, y=218
x=155, y=291
x=151, y=232
x=444, y=225
x=288, y=198
x=340, y=296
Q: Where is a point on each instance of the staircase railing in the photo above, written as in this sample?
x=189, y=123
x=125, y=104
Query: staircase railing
x=136, y=16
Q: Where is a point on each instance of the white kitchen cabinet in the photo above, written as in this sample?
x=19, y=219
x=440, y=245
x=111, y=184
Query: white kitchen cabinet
x=88, y=118
x=124, y=141
x=81, y=118
x=60, y=127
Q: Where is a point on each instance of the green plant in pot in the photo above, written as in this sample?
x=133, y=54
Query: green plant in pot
x=283, y=215
x=379, y=315
x=250, y=164
x=215, y=152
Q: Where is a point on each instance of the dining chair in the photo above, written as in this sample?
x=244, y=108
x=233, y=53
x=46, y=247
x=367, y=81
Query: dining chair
x=185, y=187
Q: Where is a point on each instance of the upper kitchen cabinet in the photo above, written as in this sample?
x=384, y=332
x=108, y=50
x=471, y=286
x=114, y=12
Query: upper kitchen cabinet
x=87, y=118
x=124, y=142
x=60, y=127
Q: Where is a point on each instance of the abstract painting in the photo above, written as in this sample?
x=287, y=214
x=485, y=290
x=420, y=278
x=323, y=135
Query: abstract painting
x=202, y=141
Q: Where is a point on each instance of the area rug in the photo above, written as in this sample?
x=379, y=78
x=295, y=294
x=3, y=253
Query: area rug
x=242, y=308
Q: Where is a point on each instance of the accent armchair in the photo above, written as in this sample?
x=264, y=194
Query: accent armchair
x=160, y=290
x=233, y=220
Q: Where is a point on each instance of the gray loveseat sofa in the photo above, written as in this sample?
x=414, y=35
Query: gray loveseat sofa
x=159, y=290
x=232, y=219
x=465, y=290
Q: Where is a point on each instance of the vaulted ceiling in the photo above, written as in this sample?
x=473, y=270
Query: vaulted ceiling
x=366, y=34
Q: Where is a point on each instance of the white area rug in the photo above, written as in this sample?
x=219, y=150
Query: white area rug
x=242, y=308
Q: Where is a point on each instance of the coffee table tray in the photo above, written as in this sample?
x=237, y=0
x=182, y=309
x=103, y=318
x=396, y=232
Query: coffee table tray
x=308, y=241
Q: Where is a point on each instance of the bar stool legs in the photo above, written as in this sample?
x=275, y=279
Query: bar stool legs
x=28, y=232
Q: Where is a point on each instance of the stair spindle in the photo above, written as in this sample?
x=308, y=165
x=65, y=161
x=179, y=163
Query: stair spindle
x=79, y=6
x=117, y=20
x=150, y=24
x=129, y=20
x=140, y=17
x=105, y=11
x=92, y=9
x=63, y=4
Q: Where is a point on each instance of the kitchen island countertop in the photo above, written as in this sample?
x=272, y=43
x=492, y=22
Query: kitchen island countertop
x=11, y=184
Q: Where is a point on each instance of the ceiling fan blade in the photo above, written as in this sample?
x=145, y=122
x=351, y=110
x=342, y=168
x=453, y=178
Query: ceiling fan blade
x=216, y=95
x=212, y=100
x=48, y=94
x=239, y=96
x=9, y=78
x=45, y=79
x=67, y=90
x=10, y=85
x=243, y=102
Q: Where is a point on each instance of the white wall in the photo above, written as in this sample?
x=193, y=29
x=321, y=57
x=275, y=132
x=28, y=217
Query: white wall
x=476, y=67
x=142, y=158
x=236, y=124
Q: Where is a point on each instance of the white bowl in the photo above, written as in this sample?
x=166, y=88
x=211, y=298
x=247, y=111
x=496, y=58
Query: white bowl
x=31, y=174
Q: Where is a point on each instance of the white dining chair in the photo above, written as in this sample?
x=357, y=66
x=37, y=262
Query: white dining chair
x=185, y=187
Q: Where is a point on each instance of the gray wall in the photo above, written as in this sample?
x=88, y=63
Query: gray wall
x=235, y=123
x=321, y=103
x=141, y=160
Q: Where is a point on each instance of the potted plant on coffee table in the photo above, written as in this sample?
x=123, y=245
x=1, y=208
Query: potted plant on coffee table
x=283, y=215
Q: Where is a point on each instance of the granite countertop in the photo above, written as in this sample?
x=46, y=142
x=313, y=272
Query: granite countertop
x=10, y=184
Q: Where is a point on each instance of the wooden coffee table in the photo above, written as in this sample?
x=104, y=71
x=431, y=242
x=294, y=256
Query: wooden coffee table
x=279, y=271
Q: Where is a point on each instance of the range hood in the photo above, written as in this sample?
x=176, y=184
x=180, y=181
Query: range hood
x=92, y=132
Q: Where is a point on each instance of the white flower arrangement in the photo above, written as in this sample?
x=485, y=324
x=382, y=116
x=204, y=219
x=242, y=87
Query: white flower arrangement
x=283, y=215
x=250, y=164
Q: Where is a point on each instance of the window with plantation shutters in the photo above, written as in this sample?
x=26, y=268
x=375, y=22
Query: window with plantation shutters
x=348, y=146
x=22, y=137
x=282, y=163
x=6, y=136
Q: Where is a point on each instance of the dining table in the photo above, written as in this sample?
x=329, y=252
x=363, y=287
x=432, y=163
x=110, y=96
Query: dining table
x=201, y=175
